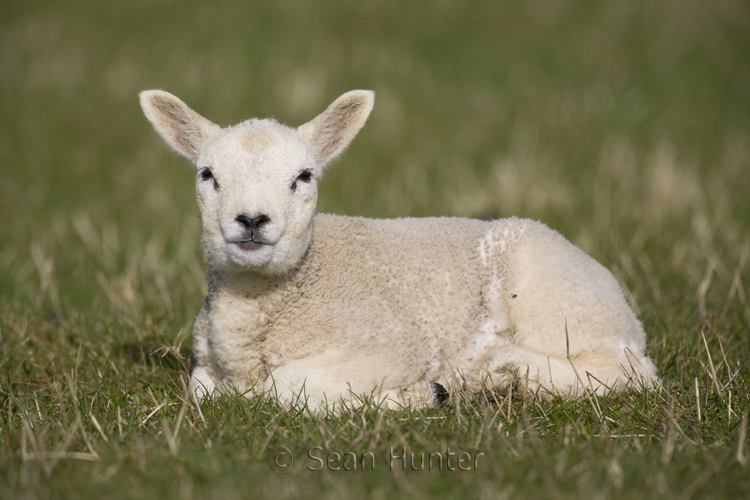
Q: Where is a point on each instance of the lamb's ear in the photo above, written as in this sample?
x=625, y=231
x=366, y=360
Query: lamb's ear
x=182, y=128
x=329, y=133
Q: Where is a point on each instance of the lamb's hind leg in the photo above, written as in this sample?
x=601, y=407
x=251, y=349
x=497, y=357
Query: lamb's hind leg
x=551, y=376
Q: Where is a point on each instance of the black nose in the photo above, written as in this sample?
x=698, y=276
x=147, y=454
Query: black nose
x=252, y=222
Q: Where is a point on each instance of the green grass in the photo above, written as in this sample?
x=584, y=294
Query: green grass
x=623, y=125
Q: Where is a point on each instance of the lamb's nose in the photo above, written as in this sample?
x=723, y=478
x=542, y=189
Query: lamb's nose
x=253, y=222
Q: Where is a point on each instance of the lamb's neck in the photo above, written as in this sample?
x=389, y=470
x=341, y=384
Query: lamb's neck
x=250, y=286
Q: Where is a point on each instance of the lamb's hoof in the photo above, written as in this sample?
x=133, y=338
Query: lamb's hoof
x=439, y=393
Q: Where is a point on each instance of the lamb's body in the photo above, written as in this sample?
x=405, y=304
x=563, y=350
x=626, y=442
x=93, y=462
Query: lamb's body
x=390, y=307
x=323, y=308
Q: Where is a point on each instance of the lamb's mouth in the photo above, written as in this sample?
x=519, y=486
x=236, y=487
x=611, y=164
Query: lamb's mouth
x=249, y=245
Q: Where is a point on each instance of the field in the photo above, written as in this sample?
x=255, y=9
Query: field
x=623, y=125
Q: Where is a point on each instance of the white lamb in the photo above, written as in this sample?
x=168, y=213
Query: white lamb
x=321, y=309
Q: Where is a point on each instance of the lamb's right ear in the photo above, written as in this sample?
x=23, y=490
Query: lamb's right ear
x=182, y=128
x=328, y=134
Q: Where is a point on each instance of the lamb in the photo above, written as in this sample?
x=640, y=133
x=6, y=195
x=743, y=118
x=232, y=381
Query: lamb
x=320, y=309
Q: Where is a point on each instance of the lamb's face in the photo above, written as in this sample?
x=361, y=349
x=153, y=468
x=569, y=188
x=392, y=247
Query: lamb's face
x=257, y=189
x=257, y=181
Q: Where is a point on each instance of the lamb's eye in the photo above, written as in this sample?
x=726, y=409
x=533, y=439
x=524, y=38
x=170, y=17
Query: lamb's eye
x=305, y=176
x=207, y=175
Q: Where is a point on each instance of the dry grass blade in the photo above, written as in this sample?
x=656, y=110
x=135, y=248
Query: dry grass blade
x=46, y=269
x=98, y=427
x=580, y=380
x=620, y=397
x=669, y=444
x=77, y=410
x=525, y=390
x=268, y=440
x=172, y=436
x=620, y=436
x=119, y=421
x=188, y=396
x=729, y=407
x=152, y=414
x=730, y=376
x=593, y=392
x=703, y=287
x=57, y=455
x=740, y=454
x=672, y=421
x=376, y=430
x=67, y=441
x=697, y=399
x=26, y=436
x=714, y=377
x=509, y=398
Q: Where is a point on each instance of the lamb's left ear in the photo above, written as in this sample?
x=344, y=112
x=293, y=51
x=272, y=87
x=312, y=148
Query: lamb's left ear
x=329, y=133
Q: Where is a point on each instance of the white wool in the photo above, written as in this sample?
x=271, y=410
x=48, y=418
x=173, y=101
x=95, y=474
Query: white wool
x=322, y=309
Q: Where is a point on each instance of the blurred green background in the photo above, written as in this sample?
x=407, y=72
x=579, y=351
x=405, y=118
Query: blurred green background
x=623, y=125
x=559, y=111
x=485, y=110
x=460, y=88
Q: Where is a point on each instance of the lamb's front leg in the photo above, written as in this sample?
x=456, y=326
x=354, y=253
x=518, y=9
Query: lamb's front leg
x=204, y=377
x=303, y=383
x=330, y=379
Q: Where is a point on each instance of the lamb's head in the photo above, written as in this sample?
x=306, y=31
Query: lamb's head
x=256, y=182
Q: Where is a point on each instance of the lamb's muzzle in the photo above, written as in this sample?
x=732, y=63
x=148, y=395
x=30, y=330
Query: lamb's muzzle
x=251, y=238
x=317, y=309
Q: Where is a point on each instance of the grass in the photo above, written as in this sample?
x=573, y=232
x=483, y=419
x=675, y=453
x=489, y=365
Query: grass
x=625, y=126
